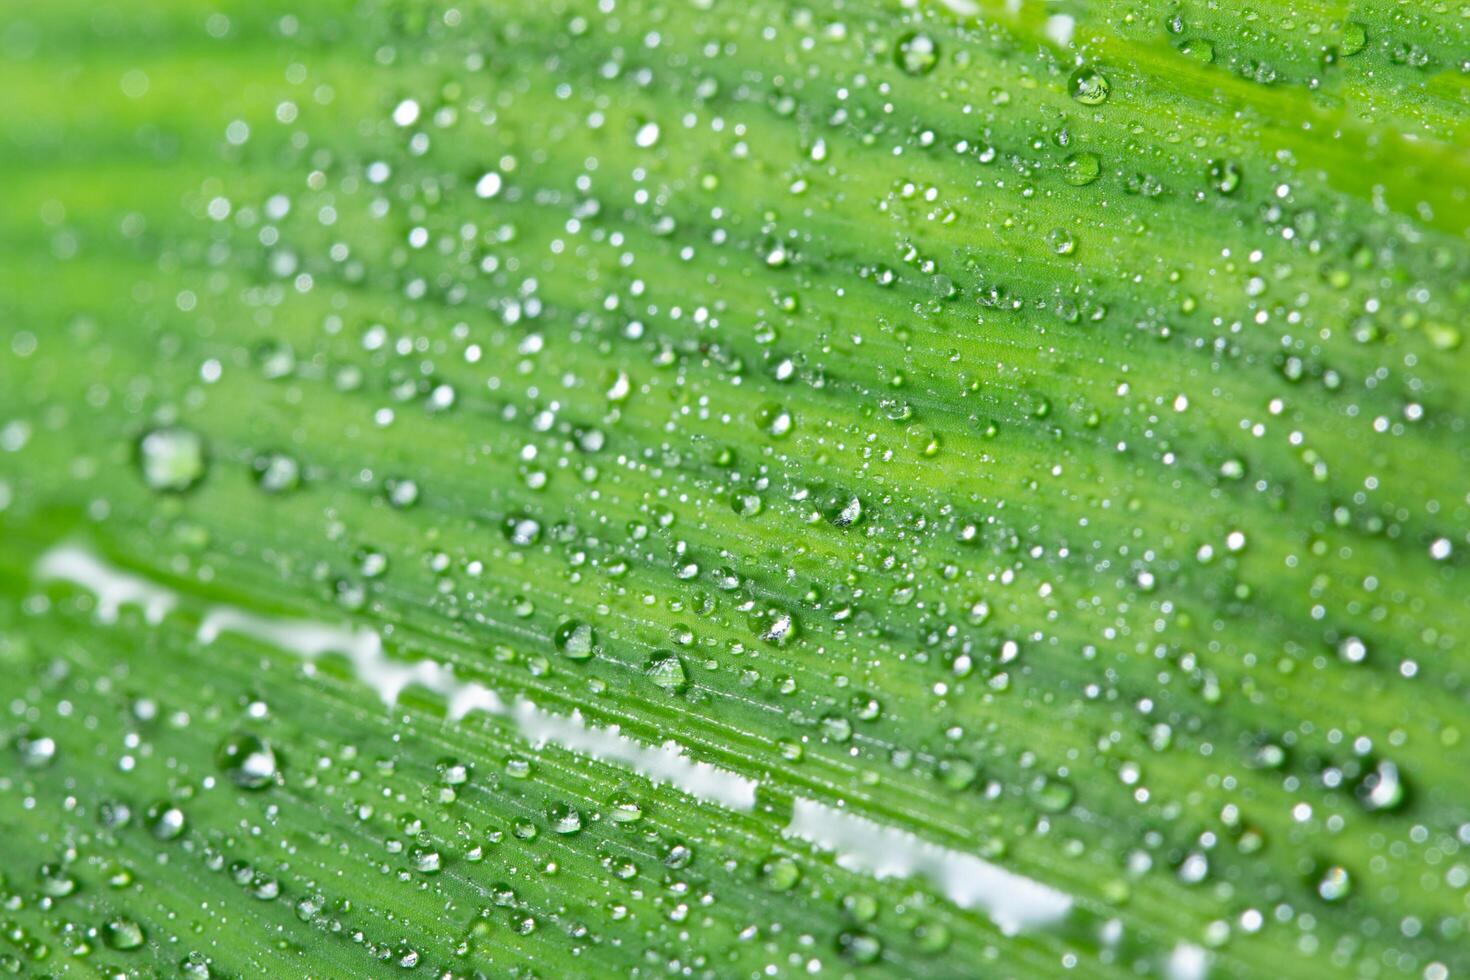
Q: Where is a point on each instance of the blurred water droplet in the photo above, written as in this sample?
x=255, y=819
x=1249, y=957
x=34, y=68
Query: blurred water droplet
x=249, y=762
x=917, y=53
x=172, y=459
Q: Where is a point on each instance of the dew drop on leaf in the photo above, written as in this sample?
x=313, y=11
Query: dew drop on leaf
x=917, y=53
x=172, y=459
x=1089, y=86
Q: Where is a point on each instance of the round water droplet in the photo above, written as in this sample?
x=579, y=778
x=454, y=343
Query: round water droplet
x=195, y=966
x=1352, y=650
x=747, y=504
x=122, y=934
x=845, y=511
x=957, y=774
x=1081, y=169
x=916, y=54
x=522, y=531
x=426, y=860
x=56, y=881
x=250, y=762
x=1198, y=49
x=1224, y=176
x=836, y=728
x=36, y=751
x=402, y=493
x=1089, y=86
x=1052, y=795
x=667, y=671
x=859, y=947
x=1354, y=39
x=626, y=811
x=453, y=773
x=565, y=819
x=576, y=640
x=774, y=420
x=679, y=857
x=165, y=821
x=1383, y=788
x=172, y=459
x=1061, y=241
x=780, y=874
x=488, y=185
x=276, y=472
x=1335, y=885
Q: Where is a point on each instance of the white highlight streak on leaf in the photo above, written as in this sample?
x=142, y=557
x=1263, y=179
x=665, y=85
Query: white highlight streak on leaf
x=1013, y=902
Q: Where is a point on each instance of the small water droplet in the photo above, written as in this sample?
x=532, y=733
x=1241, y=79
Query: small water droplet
x=172, y=459
x=250, y=762
x=1224, y=176
x=122, y=934
x=916, y=54
x=576, y=640
x=1089, y=86
x=666, y=670
x=1081, y=169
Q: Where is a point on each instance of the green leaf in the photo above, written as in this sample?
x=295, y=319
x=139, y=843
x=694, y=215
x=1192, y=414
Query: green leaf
x=724, y=489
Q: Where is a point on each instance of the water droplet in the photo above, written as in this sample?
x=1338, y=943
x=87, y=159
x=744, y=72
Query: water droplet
x=1352, y=650
x=1224, y=176
x=666, y=670
x=56, y=881
x=1081, y=169
x=565, y=819
x=1198, y=49
x=276, y=472
x=250, y=762
x=122, y=934
x=522, y=531
x=836, y=728
x=488, y=185
x=1354, y=39
x=1052, y=795
x=1061, y=241
x=747, y=504
x=406, y=113
x=1335, y=885
x=1089, y=86
x=1383, y=788
x=775, y=420
x=165, y=821
x=859, y=947
x=780, y=874
x=916, y=54
x=36, y=751
x=576, y=640
x=172, y=459
x=371, y=563
x=195, y=966
x=846, y=512
x=647, y=135
x=626, y=811
x=402, y=493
